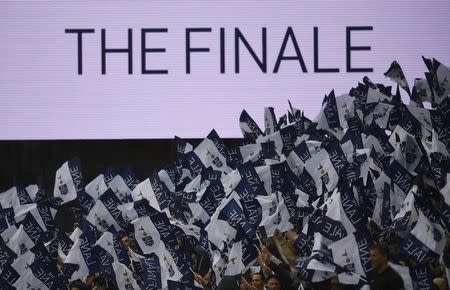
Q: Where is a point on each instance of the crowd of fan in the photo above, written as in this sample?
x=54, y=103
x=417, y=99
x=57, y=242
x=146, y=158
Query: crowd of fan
x=274, y=269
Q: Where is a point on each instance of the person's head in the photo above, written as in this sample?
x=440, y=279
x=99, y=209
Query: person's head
x=194, y=257
x=257, y=281
x=440, y=283
x=273, y=283
x=379, y=254
x=126, y=241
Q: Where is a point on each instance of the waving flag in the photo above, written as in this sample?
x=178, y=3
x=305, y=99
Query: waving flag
x=120, y=189
x=96, y=187
x=124, y=277
x=211, y=152
x=328, y=118
x=68, y=181
x=426, y=241
x=249, y=128
x=151, y=277
x=240, y=257
x=415, y=278
x=14, y=197
x=133, y=210
x=106, y=213
x=345, y=255
x=407, y=214
x=146, y=235
x=8, y=277
x=396, y=74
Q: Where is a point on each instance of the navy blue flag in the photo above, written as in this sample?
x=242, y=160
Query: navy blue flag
x=80, y=260
x=151, y=273
x=417, y=95
x=192, y=162
x=104, y=260
x=396, y=74
x=47, y=216
x=330, y=113
x=329, y=228
x=386, y=207
x=353, y=133
x=282, y=121
x=210, y=174
x=218, y=142
x=268, y=150
x=33, y=229
x=162, y=224
x=248, y=173
x=308, y=185
x=337, y=156
x=270, y=121
x=23, y=196
x=250, y=130
x=64, y=242
x=410, y=123
x=375, y=130
x=400, y=176
x=302, y=151
x=212, y=197
x=304, y=273
x=130, y=178
x=234, y=215
x=234, y=157
x=143, y=208
x=251, y=207
x=109, y=174
x=415, y=277
x=278, y=176
x=182, y=147
x=8, y=277
x=111, y=202
x=351, y=207
x=41, y=270
x=297, y=122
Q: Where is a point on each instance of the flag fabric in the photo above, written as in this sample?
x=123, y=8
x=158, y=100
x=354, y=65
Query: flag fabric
x=96, y=187
x=249, y=127
x=68, y=181
x=106, y=213
x=426, y=241
x=396, y=74
x=80, y=261
x=416, y=277
x=120, y=189
x=146, y=235
x=124, y=277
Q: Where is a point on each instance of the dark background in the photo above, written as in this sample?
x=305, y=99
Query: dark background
x=23, y=162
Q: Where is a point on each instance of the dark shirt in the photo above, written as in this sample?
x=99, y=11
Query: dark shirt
x=387, y=280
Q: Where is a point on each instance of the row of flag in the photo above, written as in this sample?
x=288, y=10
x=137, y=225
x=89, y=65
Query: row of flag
x=369, y=167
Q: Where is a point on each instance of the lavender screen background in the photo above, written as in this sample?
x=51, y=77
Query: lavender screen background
x=43, y=97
